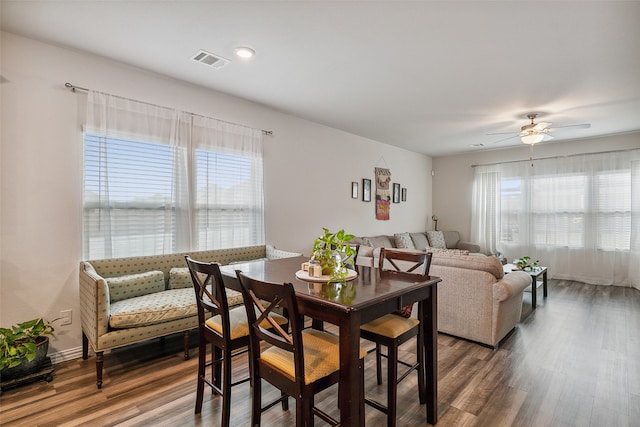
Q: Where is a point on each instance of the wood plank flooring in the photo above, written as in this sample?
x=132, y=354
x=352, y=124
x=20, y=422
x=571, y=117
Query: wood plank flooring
x=574, y=361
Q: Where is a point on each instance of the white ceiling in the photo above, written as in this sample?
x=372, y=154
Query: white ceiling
x=432, y=77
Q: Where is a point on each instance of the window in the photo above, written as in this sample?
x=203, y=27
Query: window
x=158, y=181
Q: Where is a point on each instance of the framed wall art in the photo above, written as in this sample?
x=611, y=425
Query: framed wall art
x=404, y=195
x=354, y=190
x=366, y=190
x=396, y=193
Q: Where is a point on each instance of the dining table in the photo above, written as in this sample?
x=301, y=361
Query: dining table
x=365, y=296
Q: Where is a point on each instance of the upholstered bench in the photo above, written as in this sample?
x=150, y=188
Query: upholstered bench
x=128, y=300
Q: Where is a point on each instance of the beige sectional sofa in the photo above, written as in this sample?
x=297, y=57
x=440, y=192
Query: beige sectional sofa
x=129, y=300
x=476, y=300
x=369, y=247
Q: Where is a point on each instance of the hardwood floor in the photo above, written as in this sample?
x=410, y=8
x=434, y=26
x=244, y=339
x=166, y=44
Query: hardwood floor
x=574, y=361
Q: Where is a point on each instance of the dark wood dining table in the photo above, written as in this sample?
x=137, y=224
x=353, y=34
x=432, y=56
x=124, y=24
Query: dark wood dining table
x=350, y=304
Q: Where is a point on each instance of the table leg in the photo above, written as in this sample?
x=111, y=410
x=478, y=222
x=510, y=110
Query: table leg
x=350, y=377
x=430, y=322
x=544, y=283
x=534, y=290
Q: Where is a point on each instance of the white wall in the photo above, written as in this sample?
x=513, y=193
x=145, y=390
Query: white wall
x=453, y=180
x=308, y=173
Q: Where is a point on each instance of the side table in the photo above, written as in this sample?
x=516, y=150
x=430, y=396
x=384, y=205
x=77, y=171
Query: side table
x=535, y=274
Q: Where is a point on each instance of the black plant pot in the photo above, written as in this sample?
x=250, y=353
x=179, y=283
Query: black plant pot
x=26, y=367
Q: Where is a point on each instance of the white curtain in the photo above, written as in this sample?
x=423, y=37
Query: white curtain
x=147, y=185
x=485, y=208
x=579, y=215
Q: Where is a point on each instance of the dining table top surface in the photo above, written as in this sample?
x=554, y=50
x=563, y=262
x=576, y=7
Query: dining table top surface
x=369, y=286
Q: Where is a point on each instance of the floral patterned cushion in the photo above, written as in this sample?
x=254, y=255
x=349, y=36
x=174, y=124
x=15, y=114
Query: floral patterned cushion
x=403, y=241
x=436, y=239
x=447, y=252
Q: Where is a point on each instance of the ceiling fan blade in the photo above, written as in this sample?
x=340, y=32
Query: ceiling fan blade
x=580, y=126
x=539, y=127
x=504, y=139
x=547, y=137
x=501, y=133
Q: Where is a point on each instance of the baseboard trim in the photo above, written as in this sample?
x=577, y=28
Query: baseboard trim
x=66, y=355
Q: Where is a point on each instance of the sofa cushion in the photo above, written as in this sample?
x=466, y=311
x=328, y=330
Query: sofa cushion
x=451, y=239
x=419, y=240
x=135, y=285
x=403, y=241
x=154, y=308
x=380, y=242
x=180, y=278
x=436, y=239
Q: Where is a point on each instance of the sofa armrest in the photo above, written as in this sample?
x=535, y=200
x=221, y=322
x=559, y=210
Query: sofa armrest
x=94, y=303
x=511, y=284
x=273, y=253
x=468, y=246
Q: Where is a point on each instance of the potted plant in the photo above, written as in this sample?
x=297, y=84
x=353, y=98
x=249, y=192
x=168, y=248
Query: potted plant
x=333, y=253
x=524, y=263
x=23, y=348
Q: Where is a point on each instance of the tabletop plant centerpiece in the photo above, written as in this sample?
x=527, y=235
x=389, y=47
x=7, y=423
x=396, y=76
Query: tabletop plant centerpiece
x=23, y=348
x=333, y=254
x=524, y=263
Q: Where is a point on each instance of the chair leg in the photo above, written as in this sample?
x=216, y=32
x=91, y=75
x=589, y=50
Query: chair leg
x=392, y=384
x=226, y=390
x=256, y=403
x=285, y=401
x=379, y=363
x=361, y=387
x=217, y=367
x=202, y=360
x=303, y=412
x=99, y=365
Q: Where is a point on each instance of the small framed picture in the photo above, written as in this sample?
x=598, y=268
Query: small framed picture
x=354, y=190
x=366, y=190
x=396, y=193
x=404, y=194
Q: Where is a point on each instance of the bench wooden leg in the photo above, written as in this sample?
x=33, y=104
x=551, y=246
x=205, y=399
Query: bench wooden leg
x=185, y=337
x=99, y=365
x=85, y=347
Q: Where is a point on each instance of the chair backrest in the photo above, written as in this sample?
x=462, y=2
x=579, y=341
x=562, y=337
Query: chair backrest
x=405, y=261
x=263, y=298
x=211, y=295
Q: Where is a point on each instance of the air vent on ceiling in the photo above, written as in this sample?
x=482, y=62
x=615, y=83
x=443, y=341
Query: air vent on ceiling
x=210, y=59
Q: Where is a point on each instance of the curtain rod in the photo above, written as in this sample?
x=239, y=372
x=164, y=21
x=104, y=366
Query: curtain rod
x=75, y=88
x=557, y=157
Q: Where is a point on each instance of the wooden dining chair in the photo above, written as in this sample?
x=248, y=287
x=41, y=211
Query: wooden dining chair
x=300, y=363
x=226, y=330
x=394, y=329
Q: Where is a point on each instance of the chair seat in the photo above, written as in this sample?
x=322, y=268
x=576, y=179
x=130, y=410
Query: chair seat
x=321, y=356
x=238, y=322
x=390, y=325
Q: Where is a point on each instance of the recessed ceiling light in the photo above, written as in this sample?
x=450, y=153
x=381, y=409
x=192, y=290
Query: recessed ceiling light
x=245, y=52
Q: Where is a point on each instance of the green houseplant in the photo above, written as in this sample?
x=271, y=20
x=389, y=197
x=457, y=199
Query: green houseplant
x=333, y=253
x=23, y=347
x=525, y=263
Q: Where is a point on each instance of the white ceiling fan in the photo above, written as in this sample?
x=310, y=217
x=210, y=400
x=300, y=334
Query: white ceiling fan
x=534, y=133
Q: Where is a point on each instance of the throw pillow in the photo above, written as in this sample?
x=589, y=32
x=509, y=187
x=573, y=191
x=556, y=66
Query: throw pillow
x=405, y=311
x=436, y=239
x=179, y=277
x=419, y=240
x=135, y=285
x=403, y=240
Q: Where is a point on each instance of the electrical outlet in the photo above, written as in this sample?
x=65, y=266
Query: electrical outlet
x=66, y=317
